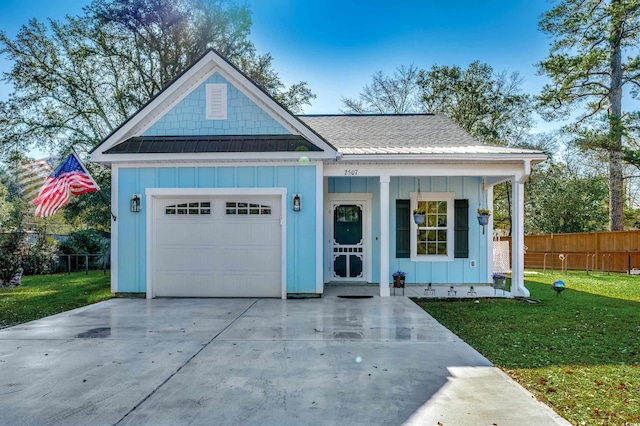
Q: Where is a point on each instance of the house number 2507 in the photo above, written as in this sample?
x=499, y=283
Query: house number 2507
x=351, y=172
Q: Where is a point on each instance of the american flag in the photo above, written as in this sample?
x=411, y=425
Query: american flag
x=70, y=177
x=29, y=177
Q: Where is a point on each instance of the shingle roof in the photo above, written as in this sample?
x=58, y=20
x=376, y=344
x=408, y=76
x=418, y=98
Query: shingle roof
x=399, y=134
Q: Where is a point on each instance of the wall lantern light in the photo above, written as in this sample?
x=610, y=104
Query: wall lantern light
x=135, y=203
x=297, y=202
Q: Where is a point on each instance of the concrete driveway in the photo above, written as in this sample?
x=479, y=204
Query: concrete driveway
x=253, y=361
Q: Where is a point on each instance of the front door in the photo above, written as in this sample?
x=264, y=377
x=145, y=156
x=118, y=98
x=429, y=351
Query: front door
x=348, y=242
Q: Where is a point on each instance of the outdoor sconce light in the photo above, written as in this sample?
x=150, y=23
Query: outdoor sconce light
x=297, y=202
x=135, y=203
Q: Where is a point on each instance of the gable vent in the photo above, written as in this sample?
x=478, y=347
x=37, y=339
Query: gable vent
x=216, y=101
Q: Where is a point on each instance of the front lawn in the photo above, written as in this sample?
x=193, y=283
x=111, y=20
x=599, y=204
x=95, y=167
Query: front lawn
x=43, y=295
x=578, y=352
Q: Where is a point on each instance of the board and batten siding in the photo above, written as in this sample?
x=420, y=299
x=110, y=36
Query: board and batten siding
x=457, y=271
x=301, y=234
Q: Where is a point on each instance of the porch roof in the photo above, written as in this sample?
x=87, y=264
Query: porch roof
x=400, y=134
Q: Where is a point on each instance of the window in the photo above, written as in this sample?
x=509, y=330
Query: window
x=192, y=208
x=432, y=240
x=239, y=208
x=216, y=101
x=347, y=214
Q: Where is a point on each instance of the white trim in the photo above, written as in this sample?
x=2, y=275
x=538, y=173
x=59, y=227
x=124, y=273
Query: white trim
x=221, y=110
x=455, y=156
x=517, y=243
x=488, y=193
x=114, y=229
x=326, y=216
x=490, y=182
x=209, y=157
x=150, y=208
x=367, y=232
x=319, y=227
x=384, y=236
x=474, y=167
x=527, y=172
x=154, y=194
x=449, y=197
x=235, y=163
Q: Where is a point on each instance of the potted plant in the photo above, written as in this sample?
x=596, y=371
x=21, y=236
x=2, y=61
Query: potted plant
x=418, y=215
x=483, y=216
x=398, y=278
x=499, y=280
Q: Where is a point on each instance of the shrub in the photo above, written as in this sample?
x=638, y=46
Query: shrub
x=40, y=256
x=89, y=242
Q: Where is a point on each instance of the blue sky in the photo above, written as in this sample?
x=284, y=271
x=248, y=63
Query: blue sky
x=335, y=46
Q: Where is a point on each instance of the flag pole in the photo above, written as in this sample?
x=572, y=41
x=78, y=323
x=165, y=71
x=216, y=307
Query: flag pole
x=99, y=191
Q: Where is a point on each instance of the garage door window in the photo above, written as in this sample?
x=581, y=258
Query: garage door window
x=194, y=208
x=236, y=208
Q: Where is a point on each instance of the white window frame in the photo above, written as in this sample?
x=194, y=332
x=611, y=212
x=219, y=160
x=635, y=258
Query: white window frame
x=449, y=197
x=222, y=113
x=262, y=209
x=187, y=209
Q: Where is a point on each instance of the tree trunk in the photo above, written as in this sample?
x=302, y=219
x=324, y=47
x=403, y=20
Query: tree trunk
x=507, y=186
x=616, y=194
x=616, y=201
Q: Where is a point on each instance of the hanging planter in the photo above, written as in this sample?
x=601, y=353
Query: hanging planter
x=419, y=213
x=483, y=218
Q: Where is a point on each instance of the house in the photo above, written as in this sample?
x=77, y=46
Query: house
x=219, y=191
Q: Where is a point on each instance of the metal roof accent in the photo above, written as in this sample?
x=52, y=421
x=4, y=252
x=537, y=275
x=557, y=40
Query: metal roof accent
x=477, y=149
x=214, y=143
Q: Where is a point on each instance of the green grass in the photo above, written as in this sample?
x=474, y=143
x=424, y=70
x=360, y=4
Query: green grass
x=43, y=295
x=578, y=352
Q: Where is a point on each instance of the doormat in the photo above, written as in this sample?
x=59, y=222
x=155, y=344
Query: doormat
x=355, y=297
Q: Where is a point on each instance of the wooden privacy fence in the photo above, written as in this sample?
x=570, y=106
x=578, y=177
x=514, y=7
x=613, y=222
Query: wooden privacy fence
x=617, y=251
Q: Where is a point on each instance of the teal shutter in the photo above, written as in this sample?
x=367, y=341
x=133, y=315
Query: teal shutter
x=461, y=229
x=402, y=229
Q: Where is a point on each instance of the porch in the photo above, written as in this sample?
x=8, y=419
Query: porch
x=379, y=206
x=436, y=291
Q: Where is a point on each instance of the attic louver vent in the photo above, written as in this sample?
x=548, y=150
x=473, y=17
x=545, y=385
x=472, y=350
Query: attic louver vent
x=216, y=101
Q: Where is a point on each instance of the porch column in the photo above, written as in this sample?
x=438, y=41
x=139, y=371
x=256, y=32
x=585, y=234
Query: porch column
x=517, y=239
x=384, y=236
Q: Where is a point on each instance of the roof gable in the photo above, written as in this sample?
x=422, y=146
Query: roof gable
x=179, y=110
x=188, y=116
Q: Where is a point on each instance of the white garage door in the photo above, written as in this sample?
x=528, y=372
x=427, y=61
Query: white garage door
x=222, y=246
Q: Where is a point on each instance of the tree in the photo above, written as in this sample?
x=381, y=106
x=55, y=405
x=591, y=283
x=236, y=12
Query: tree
x=395, y=94
x=13, y=242
x=488, y=105
x=5, y=206
x=589, y=75
x=76, y=80
x=559, y=200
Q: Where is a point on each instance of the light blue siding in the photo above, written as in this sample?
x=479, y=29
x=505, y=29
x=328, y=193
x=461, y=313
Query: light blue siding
x=456, y=271
x=301, y=235
x=244, y=117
